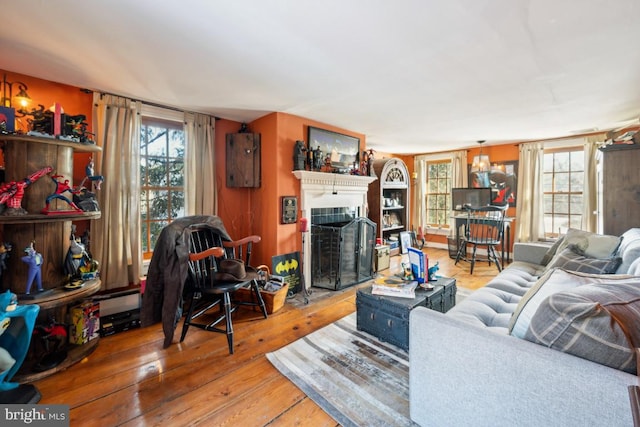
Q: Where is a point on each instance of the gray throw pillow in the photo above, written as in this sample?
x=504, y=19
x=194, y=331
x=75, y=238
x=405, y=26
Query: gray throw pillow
x=552, y=281
x=629, y=249
x=578, y=322
x=570, y=260
x=548, y=256
x=589, y=244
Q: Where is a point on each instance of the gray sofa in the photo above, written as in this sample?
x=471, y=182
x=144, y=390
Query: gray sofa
x=467, y=370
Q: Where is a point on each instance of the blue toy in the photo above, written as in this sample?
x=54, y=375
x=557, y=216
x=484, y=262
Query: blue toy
x=433, y=270
x=15, y=340
x=34, y=260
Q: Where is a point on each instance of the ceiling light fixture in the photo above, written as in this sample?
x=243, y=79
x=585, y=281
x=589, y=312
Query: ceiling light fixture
x=481, y=162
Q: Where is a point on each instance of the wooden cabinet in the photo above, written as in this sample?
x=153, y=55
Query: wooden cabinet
x=389, y=200
x=243, y=160
x=620, y=191
x=24, y=155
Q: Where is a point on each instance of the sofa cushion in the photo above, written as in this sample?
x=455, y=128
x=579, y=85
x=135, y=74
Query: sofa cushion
x=578, y=322
x=492, y=305
x=589, y=244
x=629, y=249
x=569, y=259
x=553, y=281
x=634, y=268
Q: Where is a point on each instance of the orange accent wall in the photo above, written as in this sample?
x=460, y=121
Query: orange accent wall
x=44, y=92
x=247, y=211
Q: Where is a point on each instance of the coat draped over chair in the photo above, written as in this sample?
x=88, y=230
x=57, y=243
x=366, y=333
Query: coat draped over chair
x=162, y=298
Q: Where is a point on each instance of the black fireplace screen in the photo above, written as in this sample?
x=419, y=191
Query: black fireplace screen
x=342, y=253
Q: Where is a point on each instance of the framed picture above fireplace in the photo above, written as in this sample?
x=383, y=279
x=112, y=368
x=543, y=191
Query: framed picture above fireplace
x=342, y=150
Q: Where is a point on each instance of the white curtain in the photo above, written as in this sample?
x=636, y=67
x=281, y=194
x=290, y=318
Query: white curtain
x=200, y=178
x=115, y=237
x=459, y=178
x=530, y=207
x=590, y=189
x=420, y=212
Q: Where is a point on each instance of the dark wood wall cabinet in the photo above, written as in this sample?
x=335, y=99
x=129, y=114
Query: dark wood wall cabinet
x=620, y=188
x=243, y=160
x=389, y=200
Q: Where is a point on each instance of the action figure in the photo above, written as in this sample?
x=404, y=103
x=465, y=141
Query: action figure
x=317, y=159
x=34, y=260
x=61, y=188
x=299, y=156
x=95, y=179
x=77, y=256
x=11, y=193
x=5, y=248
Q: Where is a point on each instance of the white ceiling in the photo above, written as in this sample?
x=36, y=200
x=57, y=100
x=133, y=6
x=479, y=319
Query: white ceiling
x=414, y=76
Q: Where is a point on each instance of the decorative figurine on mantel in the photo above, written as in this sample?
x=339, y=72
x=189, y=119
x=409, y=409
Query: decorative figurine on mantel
x=299, y=156
x=318, y=159
x=11, y=193
x=61, y=188
x=34, y=261
x=370, y=163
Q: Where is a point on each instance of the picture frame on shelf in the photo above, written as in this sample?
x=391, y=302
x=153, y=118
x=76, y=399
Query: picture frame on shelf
x=405, y=242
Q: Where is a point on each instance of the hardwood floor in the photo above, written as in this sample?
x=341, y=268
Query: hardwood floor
x=131, y=380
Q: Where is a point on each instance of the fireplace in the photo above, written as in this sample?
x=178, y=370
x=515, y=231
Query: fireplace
x=342, y=253
x=329, y=195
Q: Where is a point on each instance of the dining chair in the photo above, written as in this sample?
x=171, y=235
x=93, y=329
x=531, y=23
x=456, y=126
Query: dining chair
x=217, y=269
x=484, y=227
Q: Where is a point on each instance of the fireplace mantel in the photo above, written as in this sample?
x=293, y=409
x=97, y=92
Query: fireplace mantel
x=329, y=190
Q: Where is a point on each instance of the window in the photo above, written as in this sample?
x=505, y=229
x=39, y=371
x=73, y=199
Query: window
x=563, y=183
x=438, y=193
x=162, y=200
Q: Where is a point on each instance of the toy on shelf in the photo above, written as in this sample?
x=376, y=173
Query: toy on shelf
x=34, y=260
x=15, y=338
x=61, y=188
x=51, y=345
x=75, y=129
x=11, y=193
x=5, y=248
x=96, y=180
x=77, y=257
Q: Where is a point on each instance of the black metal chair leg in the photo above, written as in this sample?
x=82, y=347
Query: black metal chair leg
x=227, y=312
x=258, y=295
x=187, y=319
x=473, y=258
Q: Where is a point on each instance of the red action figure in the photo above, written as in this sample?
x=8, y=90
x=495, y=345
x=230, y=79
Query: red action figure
x=61, y=188
x=11, y=193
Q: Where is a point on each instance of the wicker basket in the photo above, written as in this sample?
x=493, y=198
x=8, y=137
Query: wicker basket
x=274, y=301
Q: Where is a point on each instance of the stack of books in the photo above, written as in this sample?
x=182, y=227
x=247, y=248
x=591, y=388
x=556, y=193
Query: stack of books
x=394, y=287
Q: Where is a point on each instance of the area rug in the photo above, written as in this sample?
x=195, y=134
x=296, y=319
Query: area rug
x=351, y=375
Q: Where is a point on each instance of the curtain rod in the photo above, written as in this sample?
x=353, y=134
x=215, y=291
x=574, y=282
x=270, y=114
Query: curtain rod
x=152, y=104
